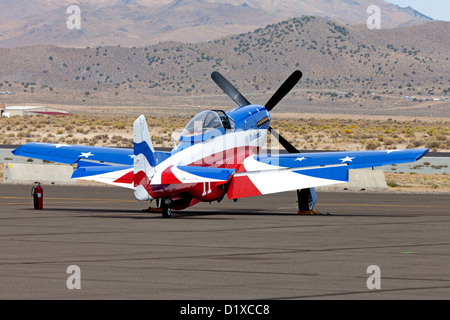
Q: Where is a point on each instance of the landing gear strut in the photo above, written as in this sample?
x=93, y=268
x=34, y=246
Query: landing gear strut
x=306, y=199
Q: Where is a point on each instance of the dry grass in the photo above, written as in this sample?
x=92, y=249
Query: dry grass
x=308, y=134
x=365, y=134
x=418, y=182
x=312, y=133
x=84, y=129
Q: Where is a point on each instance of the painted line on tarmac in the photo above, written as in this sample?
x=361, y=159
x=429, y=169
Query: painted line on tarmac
x=381, y=205
x=63, y=200
x=370, y=205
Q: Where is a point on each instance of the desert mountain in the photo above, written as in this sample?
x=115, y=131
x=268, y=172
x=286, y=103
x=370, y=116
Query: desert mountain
x=145, y=22
x=341, y=65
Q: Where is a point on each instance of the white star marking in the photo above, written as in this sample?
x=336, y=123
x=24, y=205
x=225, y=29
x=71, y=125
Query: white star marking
x=86, y=154
x=300, y=159
x=347, y=159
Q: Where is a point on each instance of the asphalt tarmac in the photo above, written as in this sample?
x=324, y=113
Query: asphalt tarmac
x=257, y=248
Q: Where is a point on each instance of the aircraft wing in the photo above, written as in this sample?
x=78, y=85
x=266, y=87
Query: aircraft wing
x=123, y=176
x=69, y=154
x=265, y=174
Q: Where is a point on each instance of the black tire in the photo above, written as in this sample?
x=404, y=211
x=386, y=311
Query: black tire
x=166, y=211
x=305, y=200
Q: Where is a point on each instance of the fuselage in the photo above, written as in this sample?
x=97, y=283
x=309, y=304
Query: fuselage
x=243, y=133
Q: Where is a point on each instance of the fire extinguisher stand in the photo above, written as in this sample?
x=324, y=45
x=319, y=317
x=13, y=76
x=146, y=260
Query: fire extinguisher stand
x=38, y=196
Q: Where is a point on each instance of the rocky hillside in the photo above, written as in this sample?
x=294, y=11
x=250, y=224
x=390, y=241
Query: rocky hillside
x=341, y=65
x=145, y=22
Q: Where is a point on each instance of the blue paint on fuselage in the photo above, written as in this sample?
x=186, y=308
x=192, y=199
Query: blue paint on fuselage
x=247, y=117
x=241, y=119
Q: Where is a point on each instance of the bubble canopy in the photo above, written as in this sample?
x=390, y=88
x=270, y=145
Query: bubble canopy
x=203, y=126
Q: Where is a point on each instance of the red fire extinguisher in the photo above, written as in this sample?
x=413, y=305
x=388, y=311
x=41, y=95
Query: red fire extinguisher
x=38, y=196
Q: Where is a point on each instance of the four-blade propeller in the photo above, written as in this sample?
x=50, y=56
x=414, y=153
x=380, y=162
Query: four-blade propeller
x=284, y=89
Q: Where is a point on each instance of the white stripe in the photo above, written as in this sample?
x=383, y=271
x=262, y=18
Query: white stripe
x=218, y=145
x=273, y=182
x=109, y=178
x=141, y=164
x=226, y=142
x=272, y=179
x=275, y=169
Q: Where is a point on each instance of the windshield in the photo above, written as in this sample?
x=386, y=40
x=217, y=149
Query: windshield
x=203, y=122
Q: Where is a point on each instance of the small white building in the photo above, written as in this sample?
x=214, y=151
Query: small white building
x=10, y=111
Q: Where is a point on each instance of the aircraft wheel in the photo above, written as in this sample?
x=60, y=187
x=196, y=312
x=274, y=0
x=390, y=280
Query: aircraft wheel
x=306, y=200
x=310, y=202
x=166, y=210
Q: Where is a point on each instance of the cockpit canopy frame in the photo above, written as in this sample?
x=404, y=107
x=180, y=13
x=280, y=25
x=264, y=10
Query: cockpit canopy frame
x=203, y=126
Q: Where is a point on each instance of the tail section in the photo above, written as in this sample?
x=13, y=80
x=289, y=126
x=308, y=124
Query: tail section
x=144, y=159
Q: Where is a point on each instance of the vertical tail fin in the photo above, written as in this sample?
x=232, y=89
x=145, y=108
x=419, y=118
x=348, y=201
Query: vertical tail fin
x=144, y=158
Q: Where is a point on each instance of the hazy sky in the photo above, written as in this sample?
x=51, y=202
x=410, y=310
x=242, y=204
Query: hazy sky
x=436, y=9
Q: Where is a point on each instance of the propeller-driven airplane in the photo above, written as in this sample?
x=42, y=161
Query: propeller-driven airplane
x=219, y=153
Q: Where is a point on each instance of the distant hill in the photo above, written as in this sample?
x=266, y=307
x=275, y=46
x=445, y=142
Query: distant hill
x=342, y=65
x=145, y=22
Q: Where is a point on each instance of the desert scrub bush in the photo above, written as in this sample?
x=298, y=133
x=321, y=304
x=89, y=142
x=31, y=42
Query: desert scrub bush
x=101, y=137
x=408, y=132
x=372, y=144
x=82, y=131
x=388, y=141
x=119, y=126
x=72, y=141
x=157, y=139
x=116, y=139
x=392, y=184
x=418, y=143
x=127, y=142
x=434, y=144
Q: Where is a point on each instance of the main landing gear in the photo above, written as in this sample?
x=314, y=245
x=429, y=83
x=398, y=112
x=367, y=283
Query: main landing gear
x=306, y=199
x=163, y=205
x=166, y=209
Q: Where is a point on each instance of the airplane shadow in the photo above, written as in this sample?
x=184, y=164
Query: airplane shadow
x=222, y=214
x=145, y=214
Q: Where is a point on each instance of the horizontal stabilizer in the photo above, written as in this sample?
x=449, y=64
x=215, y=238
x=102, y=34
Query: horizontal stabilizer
x=192, y=174
x=115, y=175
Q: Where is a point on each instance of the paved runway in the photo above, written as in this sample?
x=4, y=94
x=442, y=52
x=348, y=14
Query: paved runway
x=257, y=248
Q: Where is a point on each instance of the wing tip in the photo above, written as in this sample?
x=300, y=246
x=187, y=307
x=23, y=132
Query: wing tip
x=423, y=153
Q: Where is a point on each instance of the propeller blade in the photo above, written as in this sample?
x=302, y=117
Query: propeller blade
x=286, y=144
x=229, y=89
x=284, y=89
